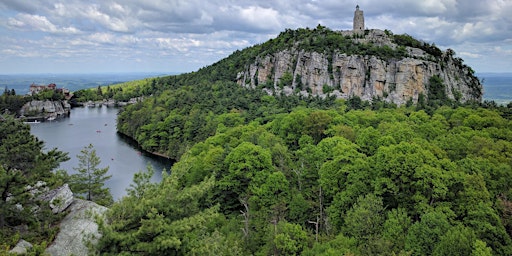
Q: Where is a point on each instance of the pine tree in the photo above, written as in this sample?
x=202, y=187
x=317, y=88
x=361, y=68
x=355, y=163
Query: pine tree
x=23, y=164
x=90, y=180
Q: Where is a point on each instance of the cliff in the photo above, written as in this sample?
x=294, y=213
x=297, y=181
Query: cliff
x=45, y=109
x=376, y=65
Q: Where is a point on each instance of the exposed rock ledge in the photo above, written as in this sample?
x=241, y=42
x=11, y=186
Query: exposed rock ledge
x=78, y=226
x=77, y=229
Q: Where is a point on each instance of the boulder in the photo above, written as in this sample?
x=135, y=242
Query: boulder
x=46, y=108
x=59, y=198
x=77, y=229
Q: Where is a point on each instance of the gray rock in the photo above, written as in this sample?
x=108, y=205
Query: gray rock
x=77, y=229
x=47, y=107
x=59, y=199
x=21, y=247
x=367, y=77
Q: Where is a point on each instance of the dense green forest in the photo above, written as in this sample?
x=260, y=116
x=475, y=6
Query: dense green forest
x=330, y=182
x=285, y=175
x=260, y=174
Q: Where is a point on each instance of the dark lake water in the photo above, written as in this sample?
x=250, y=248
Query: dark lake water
x=97, y=126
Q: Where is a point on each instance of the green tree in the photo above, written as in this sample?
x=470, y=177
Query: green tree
x=364, y=222
x=90, y=179
x=316, y=123
x=165, y=219
x=480, y=249
x=23, y=163
x=486, y=224
x=289, y=239
x=246, y=164
x=424, y=235
x=396, y=227
x=458, y=240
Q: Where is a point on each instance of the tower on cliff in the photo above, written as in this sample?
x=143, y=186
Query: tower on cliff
x=358, y=20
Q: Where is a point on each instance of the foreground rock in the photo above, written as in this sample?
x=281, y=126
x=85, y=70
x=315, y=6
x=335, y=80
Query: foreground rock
x=77, y=228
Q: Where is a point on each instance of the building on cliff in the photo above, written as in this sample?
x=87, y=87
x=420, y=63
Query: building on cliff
x=358, y=20
x=35, y=89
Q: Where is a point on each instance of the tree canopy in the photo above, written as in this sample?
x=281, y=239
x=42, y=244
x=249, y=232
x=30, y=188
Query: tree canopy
x=331, y=181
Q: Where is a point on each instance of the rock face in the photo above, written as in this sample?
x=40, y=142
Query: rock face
x=77, y=228
x=368, y=77
x=59, y=199
x=46, y=108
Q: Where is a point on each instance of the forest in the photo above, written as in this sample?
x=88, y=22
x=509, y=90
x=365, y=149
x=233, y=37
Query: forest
x=392, y=181
x=260, y=174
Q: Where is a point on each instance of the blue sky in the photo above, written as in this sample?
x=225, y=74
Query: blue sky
x=96, y=36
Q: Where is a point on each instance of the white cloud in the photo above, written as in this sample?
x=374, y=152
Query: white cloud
x=500, y=51
x=194, y=33
x=38, y=23
x=470, y=55
x=94, y=13
x=262, y=18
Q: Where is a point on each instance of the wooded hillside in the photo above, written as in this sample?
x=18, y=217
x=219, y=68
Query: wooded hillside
x=278, y=174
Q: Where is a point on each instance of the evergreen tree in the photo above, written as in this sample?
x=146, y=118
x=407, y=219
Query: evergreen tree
x=90, y=180
x=23, y=164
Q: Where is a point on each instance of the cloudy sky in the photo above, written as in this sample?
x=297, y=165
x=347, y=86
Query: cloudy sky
x=91, y=36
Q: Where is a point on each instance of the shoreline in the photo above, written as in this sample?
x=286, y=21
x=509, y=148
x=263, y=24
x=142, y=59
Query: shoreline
x=135, y=144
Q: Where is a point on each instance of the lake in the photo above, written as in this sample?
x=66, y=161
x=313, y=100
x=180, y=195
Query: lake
x=97, y=126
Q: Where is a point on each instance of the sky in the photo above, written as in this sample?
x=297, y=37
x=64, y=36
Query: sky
x=103, y=36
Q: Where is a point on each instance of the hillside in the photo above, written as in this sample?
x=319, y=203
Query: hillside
x=271, y=160
x=305, y=67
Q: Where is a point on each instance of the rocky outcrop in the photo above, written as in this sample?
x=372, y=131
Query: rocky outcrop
x=46, y=109
x=59, y=199
x=77, y=229
x=368, y=77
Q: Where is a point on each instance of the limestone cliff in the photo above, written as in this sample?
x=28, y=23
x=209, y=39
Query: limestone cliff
x=380, y=68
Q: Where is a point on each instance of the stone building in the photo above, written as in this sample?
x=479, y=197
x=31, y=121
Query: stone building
x=358, y=20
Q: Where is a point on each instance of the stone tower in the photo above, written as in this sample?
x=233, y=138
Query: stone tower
x=358, y=20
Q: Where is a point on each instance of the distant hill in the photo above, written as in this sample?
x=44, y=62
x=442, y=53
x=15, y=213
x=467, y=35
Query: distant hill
x=21, y=82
